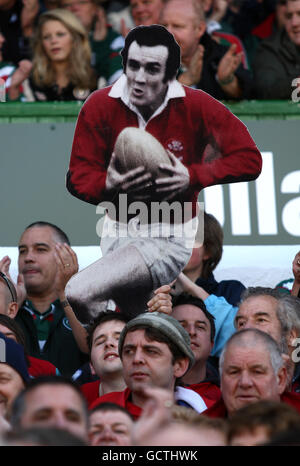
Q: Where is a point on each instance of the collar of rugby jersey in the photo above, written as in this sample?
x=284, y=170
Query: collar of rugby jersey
x=43, y=320
x=119, y=90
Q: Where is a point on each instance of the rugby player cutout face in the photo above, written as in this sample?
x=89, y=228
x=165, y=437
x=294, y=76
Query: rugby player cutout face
x=145, y=71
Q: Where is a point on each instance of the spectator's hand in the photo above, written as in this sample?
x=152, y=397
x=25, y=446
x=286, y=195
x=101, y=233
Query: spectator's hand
x=100, y=25
x=5, y=264
x=134, y=181
x=28, y=14
x=21, y=290
x=177, y=182
x=156, y=413
x=296, y=268
x=67, y=266
x=18, y=77
x=20, y=285
x=193, y=74
x=162, y=301
x=219, y=9
x=123, y=28
x=21, y=73
x=229, y=63
x=296, y=272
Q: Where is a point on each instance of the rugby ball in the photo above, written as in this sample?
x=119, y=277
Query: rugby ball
x=136, y=147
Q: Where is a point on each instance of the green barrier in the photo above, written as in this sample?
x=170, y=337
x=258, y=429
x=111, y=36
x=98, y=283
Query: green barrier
x=18, y=112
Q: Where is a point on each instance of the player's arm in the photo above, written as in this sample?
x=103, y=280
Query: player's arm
x=230, y=155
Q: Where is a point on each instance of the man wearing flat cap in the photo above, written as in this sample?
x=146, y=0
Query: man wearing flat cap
x=155, y=352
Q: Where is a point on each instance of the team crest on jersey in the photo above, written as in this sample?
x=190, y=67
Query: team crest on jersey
x=66, y=324
x=176, y=147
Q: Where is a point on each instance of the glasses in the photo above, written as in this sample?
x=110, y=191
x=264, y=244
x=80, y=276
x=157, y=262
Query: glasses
x=78, y=2
x=10, y=286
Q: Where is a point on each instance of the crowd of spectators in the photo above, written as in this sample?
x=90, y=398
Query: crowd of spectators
x=209, y=363
x=155, y=379
x=231, y=49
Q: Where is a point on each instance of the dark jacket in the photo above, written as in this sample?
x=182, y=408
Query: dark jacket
x=213, y=53
x=276, y=64
x=52, y=93
x=16, y=47
x=60, y=348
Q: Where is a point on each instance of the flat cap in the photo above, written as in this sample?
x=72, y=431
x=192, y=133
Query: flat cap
x=167, y=325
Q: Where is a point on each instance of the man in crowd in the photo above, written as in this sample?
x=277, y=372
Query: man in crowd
x=105, y=42
x=206, y=64
x=251, y=369
x=42, y=316
x=51, y=401
x=198, y=322
x=277, y=59
x=155, y=352
x=104, y=356
x=279, y=316
x=110, y=424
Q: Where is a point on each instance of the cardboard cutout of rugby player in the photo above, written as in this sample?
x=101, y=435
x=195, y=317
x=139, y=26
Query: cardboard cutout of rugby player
x=148, y=140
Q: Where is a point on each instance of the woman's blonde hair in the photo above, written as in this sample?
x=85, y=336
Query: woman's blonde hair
x=79, y=71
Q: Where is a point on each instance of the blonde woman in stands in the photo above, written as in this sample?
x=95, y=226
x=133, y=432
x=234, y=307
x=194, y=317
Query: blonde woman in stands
x=61, y=68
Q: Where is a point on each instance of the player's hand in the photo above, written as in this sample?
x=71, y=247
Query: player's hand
x=134, y=181
x=177, y=182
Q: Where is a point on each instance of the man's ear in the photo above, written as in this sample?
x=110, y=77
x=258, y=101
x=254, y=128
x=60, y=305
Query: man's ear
x=12, y=310
x=93, y=372
x=180, y=367
x=291, y=337
x=282, y=379
x=201, y=28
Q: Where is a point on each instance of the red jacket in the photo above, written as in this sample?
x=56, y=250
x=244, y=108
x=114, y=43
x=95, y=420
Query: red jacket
x=210, y=392
x=40, y=367
x=120, y=398
x=90, y=391
x=123, y=398
x=210, y=141
x=219, y=408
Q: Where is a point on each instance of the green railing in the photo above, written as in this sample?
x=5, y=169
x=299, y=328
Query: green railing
x=16, y=112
